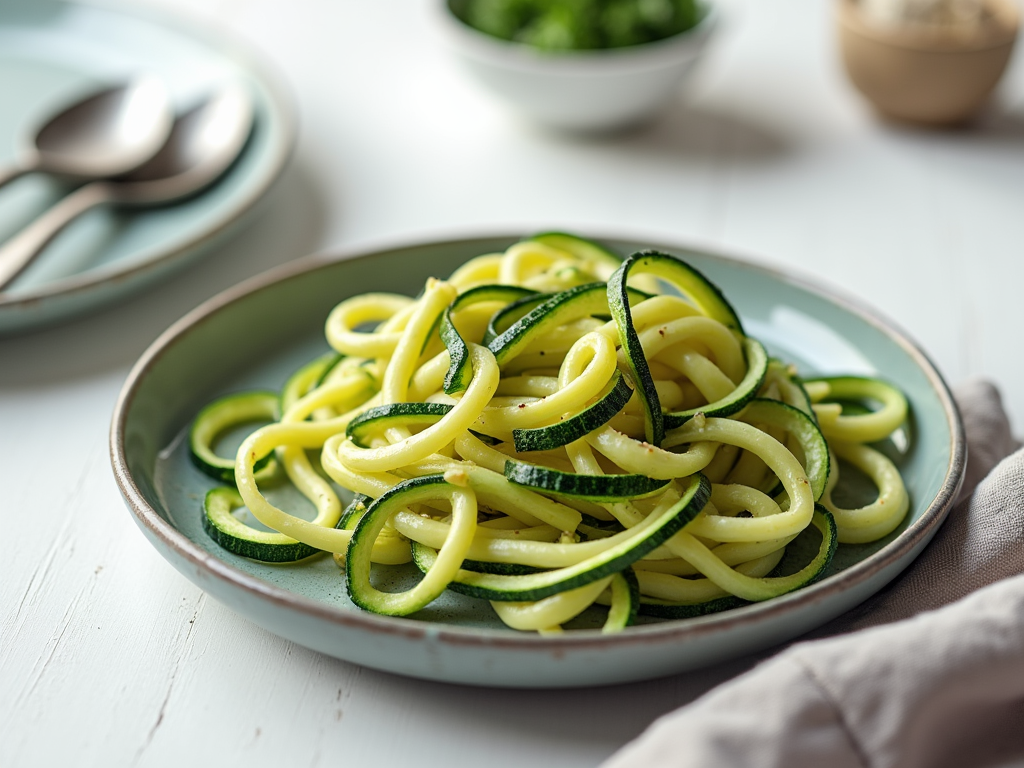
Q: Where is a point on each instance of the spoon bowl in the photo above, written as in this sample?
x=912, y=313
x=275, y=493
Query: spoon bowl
x=202, y=145
x=108, y=133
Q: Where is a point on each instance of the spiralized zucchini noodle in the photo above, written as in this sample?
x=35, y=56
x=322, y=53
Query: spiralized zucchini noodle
x=551, y=428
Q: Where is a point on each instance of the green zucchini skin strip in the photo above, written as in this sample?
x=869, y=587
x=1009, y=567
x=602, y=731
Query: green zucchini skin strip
x=308, y=378
x=557, y=309
x=625, y=605
x=633, y=351
x=775, y=413
x=397, y=413
x=504, y=318
x=355, y=509
x=704, y=294
x=585, y=250
x=609, y=526
x=806, y=576
x=503, y=569
x=240, y=539
x=222, y=414
x=861, y=389
x=614, y=560
x=579, y=425
x=329, y=366
x=746, y=390
x=664, y=609
x=589, y=487
x=695, y=287
x=358, y=585
x=460, y=370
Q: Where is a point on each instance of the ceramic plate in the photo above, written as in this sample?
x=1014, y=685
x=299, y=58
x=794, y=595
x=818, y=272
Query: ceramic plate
x=51, y=52
x=255, y=335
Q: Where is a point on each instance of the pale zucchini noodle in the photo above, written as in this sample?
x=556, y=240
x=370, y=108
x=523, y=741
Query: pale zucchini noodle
x=530, y=484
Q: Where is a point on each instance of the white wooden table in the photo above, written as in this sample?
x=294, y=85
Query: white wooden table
x=109, y=658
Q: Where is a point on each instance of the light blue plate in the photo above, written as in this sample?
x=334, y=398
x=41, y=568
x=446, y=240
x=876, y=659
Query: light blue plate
x=255, y=335
x=51, y=52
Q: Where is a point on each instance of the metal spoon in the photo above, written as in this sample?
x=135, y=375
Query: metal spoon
x=203, y=143
x=105, y=134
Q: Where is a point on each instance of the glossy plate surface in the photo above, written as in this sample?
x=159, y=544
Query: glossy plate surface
x=255, y=335
x=51, y=52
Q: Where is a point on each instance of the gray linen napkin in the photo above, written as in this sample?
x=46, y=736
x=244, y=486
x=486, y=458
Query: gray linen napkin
x=929, y=672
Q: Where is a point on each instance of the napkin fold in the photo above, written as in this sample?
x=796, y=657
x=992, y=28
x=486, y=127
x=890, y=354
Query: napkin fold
x=928, y=672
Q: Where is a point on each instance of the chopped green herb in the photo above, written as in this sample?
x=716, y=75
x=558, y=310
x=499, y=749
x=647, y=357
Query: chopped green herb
x=562, y=25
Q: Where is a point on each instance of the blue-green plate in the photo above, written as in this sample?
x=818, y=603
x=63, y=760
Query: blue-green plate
x=51, y=52
x=256, y=334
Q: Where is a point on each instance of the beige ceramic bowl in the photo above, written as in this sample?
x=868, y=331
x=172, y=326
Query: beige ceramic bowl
x=917, y=75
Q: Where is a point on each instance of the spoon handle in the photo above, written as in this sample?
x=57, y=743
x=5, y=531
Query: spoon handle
x=21, y=250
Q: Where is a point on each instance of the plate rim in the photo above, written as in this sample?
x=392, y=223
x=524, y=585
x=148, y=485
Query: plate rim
x=280, y=106
x=891, y=555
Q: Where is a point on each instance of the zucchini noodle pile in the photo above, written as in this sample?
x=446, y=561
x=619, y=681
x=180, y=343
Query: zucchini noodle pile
x=551, y=428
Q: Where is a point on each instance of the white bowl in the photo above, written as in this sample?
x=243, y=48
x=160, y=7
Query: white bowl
x=593, y=90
